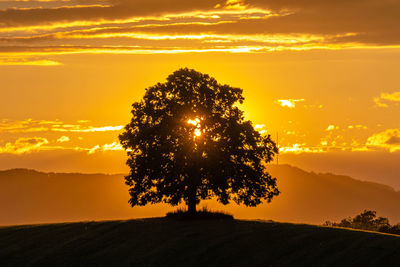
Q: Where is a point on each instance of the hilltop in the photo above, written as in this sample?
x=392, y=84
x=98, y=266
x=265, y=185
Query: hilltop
x=29, y=196
x=162, y=242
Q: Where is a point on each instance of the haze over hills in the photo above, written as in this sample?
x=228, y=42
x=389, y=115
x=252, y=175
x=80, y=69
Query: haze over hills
x=28, y=196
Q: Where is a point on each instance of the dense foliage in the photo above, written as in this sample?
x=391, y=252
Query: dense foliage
x=188, y=140
x=367, y=220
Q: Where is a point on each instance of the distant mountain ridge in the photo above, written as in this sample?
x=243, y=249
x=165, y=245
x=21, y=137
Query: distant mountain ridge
x=16, y=171
x=30, y=196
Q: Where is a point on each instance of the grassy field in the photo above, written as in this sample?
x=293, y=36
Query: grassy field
x=163, y=242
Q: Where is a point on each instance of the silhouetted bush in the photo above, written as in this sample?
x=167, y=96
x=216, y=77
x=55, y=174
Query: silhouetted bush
x=391, y=229
x=367, y=221
x=203, y=214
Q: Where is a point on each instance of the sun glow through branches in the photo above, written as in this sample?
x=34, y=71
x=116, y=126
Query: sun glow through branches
x=196, y=123
x=197, y=132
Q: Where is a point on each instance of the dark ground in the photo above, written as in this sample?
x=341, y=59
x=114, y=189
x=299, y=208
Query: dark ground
x=164, y=242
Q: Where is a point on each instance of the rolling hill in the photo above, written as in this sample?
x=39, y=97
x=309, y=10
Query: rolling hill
x=163, y=242
x=28, y=196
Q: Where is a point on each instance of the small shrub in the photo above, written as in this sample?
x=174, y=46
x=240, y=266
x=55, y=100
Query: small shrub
x=391, y=229
x=202, y=214
x=367, y=220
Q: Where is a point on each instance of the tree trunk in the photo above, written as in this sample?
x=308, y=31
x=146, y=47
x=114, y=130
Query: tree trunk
x=192, y=201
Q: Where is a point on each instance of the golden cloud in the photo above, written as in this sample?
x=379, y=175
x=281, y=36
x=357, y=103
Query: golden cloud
x=27, y=62
x=115, y=146
x=389, y=140
x=88, y=129
x=301, y=148
x=30, y=125
x=260, y=128
x=235, y=4
x=63, y=139
x=24, y=145
x=385, y=99
x=290, y=103
x=357, y=126
x=47, y=27
x=391, y=97
x=332, y=127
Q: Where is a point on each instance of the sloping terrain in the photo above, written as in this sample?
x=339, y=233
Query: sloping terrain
x=162, y=242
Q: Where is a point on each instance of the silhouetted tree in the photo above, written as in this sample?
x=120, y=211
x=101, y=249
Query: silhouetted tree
x=391, y=229
x=367, y=221
x=188, y=141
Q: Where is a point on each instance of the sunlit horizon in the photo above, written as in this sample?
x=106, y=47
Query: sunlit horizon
x=321, y=78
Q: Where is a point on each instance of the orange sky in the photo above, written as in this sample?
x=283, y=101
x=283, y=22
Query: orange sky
x=321, y=74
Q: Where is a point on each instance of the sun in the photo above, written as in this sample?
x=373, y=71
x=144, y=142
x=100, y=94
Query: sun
x=197, y=132
x=195, y=122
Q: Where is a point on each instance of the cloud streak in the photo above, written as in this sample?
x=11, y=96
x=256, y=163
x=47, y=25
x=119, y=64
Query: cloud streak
x=388, y=140
x=385, y=99
x=21, y=137
x=24, y=145
x=30, y=125
x=46, y=28
x=63, y=139
x=115, y=146
x=289, y=103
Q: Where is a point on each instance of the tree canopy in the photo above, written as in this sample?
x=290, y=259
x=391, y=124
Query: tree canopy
x=189, y=141
x=367, y=220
